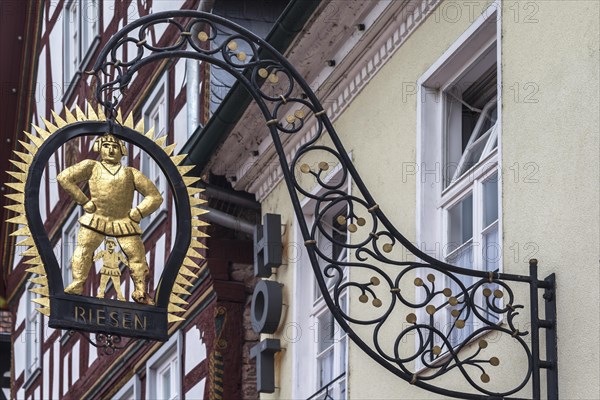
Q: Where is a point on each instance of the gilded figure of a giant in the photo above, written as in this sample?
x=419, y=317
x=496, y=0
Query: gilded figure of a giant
x=109, y=211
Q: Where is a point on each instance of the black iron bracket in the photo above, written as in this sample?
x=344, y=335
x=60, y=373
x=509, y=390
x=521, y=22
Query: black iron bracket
x=490, y=302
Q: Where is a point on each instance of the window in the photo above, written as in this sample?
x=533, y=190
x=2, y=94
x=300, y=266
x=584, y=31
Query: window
x=81, y=28
x=155, y=113
x=69, y=241
x=164, y=371
x=33, y=333
x=322, y=344
x=458, y=190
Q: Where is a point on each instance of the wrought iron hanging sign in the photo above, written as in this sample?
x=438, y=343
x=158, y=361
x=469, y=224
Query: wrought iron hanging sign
x=399, y=292
x=111, y=216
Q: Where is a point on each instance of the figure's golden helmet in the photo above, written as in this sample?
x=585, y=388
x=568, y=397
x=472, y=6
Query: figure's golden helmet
x=109, y=138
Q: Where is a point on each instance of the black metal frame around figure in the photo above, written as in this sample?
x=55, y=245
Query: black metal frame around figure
x=256, y=65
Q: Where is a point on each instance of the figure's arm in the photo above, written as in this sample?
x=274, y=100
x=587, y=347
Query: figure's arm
x=152, y=197
x=98, y=255
x=70, y=177
x=123, y=259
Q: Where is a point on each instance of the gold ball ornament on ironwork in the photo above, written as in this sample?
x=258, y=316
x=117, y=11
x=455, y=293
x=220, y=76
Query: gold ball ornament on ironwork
x=377, y=302
x=290, y=119
x=232, y=45
x=455, y=313
x=363, y=298
x=305, y=168
x=487, y=292
x=263, y=73
x=452, y=301
x=273, y=78
x=375, y=281
x=431, y=278
x=241, y=56
x=436, y=350
x=418, y=282
x=411, y=318
x=361, y=221
x=203, y=36
x=495, y=361
x=430, y=309
x=341, y=220
x=323, y=165
x=388, y=247
x=498, y=293
x=447, y=292
x=482, y=344
x=485, y=378
x=460, y=323
x=299, y=114
x=352, y=228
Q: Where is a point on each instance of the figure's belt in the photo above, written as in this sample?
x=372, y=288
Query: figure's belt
x=110, y=226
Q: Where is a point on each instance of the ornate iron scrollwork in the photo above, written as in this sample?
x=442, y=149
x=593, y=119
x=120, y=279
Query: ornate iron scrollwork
x=402, y=298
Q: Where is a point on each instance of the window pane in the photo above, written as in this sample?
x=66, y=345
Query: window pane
x=166, y=384
x=490, y=200
x=325, y=368
x=460, y=222
x=491, y=250
x=326, y=331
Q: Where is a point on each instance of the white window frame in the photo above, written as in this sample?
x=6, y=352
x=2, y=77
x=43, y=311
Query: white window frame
x=70, y=226
x=157, y=104
x=168, y=356
x=130, y=391
x=433, y=199
x=33, y=336
x=82, y=33
x=306, y=352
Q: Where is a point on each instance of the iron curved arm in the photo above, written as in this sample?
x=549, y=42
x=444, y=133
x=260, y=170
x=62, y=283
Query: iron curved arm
x=264, y=65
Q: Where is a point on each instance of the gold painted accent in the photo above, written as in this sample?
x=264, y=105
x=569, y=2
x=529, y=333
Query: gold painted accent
x=494, y=361
x=42, y=301
x=436, y=350
x=111, y=258
x=196, y=212
x=447, y=292
x=176, y=300
x=92, y=116
x=361, y=221
x=453, y=301
x=50, y=129
x=299, y=114
x=319, y=113
x=193, y=253
x=272, y=122
x=161, y=140
x=35, y=261
x=45, y=311
x=101, y=115
x=305, y=168
x=232, y=45
x=139, y=127
x=24, y=231
x=411, y=318
x=18, y=208
x=38, y=269
x=19, y=187
x=182, y=281
x=388, y=247
x=242, y=56
x=377, y=303
x=498, y=293
x=309, y=242
x=487, y=292
x=31, y=252
x=455, y=313
x=41, y=291
x=202, y=36
x=80, y=114
x=283, y=99
x=490, y=276
x=430, y=309
x=190, y=263
x=59, y=121
x=22, y=166
x=263, y=73
x=290, y=119
x=323, y=165
x=129, y=121
x=515, y=333
x=178, y=159
x=26, y=242
x=174, y=318
x=198, y=233
x=190, y=180
x=413, y=380
x=482, y=344
x=175, y=308
x=460, y=323
x=27, y=158
x=30, y=148
x=169, y=149
x=485, y=378
x=183, y=270
x=418, y=282
x=375, y=281
x=273, y=78
x=186, y=33
x=19, y=220
x=395, y=290
x=363, y=298
x=69, y=116
x=39, y=280
x=194, y=190
x=352, y=228
x=20, y=176
x=180, y=289
x=184, y=169
x=431, y=278
x=374, y=208
x=37, y=141
x=341, y=220
x=150, y=133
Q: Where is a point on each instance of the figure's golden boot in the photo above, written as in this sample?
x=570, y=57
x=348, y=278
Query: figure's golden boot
x=140, y=275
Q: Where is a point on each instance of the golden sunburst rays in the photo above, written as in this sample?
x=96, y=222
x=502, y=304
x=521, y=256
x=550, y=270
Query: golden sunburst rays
x=24, y=158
